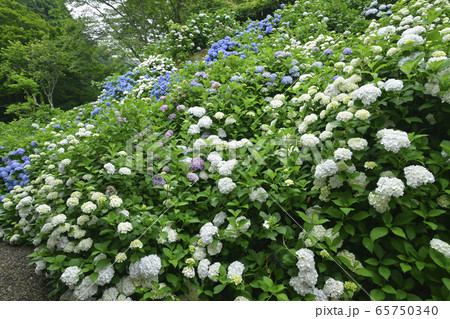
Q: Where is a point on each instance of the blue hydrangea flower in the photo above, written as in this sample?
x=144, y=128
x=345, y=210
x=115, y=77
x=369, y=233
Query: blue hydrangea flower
x=286, y=79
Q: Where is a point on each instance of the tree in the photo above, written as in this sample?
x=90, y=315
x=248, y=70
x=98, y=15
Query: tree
x=33, y=68
x=19, y=24
x=132, y=24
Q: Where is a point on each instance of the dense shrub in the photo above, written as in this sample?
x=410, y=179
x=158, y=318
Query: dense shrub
x=313, y=169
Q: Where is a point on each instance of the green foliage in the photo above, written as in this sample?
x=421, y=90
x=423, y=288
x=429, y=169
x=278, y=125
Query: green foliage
x=19, y=24
x=321, y=210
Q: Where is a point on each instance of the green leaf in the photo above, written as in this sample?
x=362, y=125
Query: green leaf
x=389, y=289
x=398, y=231
x=218, y=289
x=438, y=258
x=363, y=272
x=405, y=267
x=378, y=232
x=368, y=243
x=93, y=276
x=436, y=212
x=384, y=272
x=446, y=282
x=282, y=297
x=103, y=263
x=360, y=216
x=268, y=281
x=171, y=278
x=377, y=294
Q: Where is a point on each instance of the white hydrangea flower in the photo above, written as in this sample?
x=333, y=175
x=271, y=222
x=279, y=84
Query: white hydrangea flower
x=226, y=185
x=226, y=167
x=326, y=169
x=417, y=176
x=219, y=219
x=344, y=116
x=188, y=272
x=110, y=169
x=393, y=85
x=393, y=140
x=357, y=143
x=124, y=171
x=410, y=38
x=205, y=122
x=342, y=154
x=219, y=115
x=203, y=268
x=311, y=118
x=207, y=232
x=126, y=286
x=368, y=94
x=136, y=244
x=259, y=194
x=105, y=275
x=196, y=111
x=115, y=201
x=86, y=289
x=214, y=271
x=325, y=135
x=88, y=207
x=43, y=209
x=71, y=275
x=84, y=245
x=110, y=294
x=235, y=271
x=390, y=186
x=309, y=140
x=441, y=246
x=193, y=129
x=124, y=228
x=214, y=249
x=146, y=268
x=333, y=288
x=199, y=253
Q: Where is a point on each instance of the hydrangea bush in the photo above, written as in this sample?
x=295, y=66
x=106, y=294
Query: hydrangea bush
x=310, y=169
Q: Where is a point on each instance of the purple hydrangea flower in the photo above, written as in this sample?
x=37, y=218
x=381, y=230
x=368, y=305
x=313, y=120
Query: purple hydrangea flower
x=192, y=177
x=168, y=134
x=20, y=151
x=172, y=116
x=215, y=85
x=314, y=49
x=166, y=169
x=181, y=107
x=164, y=108
x=196, y=164
x=347, y=51
x=328, y=52
x=34, y=143
x=158, y=180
